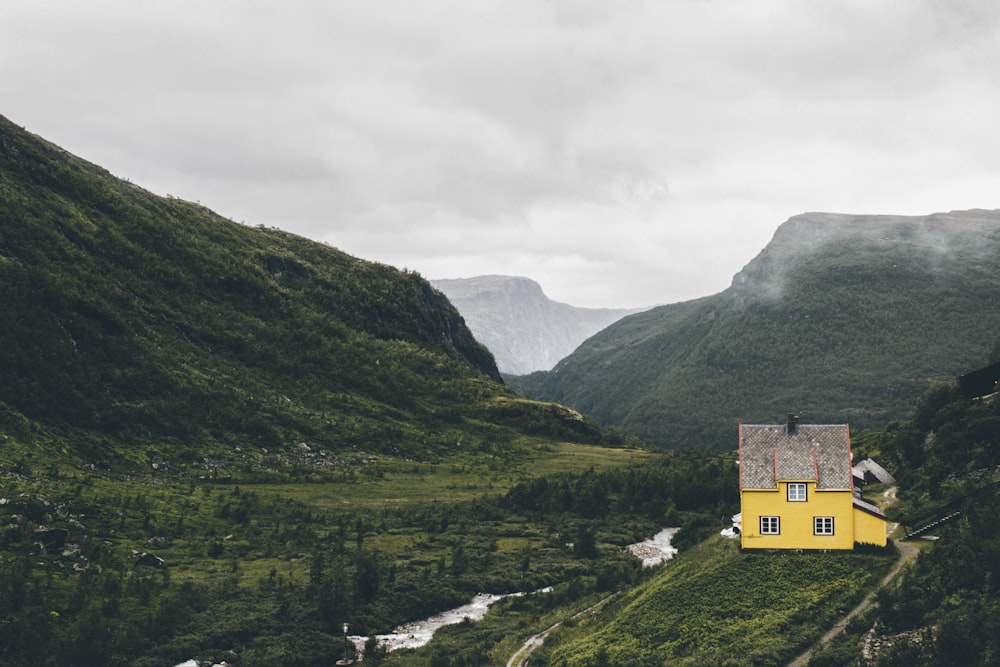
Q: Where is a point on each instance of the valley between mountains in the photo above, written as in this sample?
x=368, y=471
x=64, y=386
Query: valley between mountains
x=221, y=443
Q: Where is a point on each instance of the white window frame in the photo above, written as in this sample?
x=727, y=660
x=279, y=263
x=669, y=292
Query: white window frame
x=770, y=525
x=799, y=496
x=822, y=525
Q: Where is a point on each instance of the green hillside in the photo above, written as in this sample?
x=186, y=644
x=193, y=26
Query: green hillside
x=715, y=605
x=839, y=319
x=136, y=326
x=945, y=611
x=221, y=442
x=718, y=605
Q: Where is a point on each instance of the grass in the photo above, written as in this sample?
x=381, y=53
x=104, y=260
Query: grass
x=718, y=605
x=390, y=483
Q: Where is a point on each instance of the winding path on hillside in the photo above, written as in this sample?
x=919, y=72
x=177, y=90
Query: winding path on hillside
x=520, y=659
x=907, y=552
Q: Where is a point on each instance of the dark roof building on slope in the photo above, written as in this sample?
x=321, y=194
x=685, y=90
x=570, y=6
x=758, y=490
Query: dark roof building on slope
x=983, y=382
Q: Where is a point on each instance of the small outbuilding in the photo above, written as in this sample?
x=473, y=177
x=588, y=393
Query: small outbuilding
x=982, y=382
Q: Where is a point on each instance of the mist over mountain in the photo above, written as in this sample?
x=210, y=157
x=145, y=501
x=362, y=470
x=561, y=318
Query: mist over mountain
x=840, y=318
x=524, y=329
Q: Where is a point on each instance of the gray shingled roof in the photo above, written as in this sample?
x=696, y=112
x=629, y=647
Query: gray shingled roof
x=814, y=451
x=868, y=507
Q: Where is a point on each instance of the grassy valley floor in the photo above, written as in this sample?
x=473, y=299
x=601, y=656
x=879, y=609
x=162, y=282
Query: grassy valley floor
x=260, y=565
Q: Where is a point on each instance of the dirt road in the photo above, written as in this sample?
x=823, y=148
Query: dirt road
x=907, y=552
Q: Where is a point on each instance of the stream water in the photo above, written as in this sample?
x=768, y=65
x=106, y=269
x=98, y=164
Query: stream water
x=417, y=633
x=653, y=551
x=656, y=549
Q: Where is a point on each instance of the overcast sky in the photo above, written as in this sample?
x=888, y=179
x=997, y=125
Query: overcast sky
x=621, y=153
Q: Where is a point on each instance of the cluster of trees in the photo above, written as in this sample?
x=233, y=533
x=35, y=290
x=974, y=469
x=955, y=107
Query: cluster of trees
x=257, y=578
x=946, y=458
x=696, y=493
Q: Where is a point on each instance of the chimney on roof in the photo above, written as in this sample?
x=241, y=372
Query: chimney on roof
x=793, y=424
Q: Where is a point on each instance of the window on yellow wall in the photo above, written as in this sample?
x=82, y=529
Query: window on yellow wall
x=770, y=525
x=796, y=492
x=823, y=525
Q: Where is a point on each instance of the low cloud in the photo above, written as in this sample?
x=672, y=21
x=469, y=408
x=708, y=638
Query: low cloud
x=622, y=154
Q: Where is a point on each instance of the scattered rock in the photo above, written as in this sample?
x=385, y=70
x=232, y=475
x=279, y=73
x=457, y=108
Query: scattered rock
x=877, y=640
x=146, y=559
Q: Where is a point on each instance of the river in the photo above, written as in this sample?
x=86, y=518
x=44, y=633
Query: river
x=656, y=549
x=653, y=551
x=418, y=633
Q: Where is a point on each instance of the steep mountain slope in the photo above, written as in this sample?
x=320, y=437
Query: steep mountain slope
x=525, y=330
x=133, y=323
x=841, y=318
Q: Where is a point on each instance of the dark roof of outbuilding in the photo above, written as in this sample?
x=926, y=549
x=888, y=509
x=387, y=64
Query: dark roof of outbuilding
x=769, y=453
x=868, y=507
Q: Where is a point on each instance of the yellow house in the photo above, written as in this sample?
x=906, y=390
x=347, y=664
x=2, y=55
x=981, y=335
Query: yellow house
x=797, y=489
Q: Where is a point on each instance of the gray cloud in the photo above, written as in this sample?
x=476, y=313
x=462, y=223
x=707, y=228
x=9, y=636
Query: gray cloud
x=621, y=154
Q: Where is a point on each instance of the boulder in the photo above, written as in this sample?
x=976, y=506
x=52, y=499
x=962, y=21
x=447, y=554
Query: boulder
x=146, y=559
x=51, y=539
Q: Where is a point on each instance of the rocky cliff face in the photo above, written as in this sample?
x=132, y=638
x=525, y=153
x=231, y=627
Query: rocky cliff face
x=524, y=329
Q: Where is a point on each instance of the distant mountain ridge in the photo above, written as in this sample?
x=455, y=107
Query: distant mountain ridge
x=841, y=318
x=524, y=329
